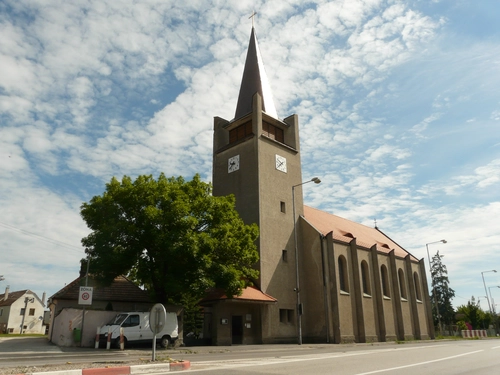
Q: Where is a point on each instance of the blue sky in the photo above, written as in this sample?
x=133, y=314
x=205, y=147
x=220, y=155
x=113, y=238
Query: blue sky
x=398, y=104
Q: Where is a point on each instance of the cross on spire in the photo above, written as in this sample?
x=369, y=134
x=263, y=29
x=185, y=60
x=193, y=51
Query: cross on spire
x=253, y=16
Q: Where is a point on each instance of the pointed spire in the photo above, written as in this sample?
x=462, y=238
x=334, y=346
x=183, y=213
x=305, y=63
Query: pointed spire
x=254, y=80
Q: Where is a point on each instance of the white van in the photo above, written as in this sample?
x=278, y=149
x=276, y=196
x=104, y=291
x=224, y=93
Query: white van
x=136, y=329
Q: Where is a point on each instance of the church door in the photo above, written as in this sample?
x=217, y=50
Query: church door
x=237, y=329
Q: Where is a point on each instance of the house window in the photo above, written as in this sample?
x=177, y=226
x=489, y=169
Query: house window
x=1, y=312
x=385, y=281
x=284, y=255
x=402, y=285
x=343, y=279
x=273, y=132
x=22, y=311
x=418, y=292
x=32, y=312
x=365, y=278
x=286, y=316
x=282, y=207
x=240, y=132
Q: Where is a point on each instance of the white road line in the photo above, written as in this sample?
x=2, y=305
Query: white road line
x=419, y=364
x=218, y=364
x=495, y=347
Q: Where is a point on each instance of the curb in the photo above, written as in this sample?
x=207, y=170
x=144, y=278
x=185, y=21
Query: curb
x=121, y=370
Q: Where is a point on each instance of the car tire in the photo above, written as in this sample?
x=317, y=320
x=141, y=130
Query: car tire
x=165, y=340
x=117, y=342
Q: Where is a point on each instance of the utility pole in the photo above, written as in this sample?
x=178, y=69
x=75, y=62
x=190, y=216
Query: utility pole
x=26, y=300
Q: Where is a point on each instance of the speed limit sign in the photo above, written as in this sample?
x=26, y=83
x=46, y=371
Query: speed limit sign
x=85, y=296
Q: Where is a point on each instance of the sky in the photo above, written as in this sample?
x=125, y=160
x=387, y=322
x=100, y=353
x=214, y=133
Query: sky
x=398, y=103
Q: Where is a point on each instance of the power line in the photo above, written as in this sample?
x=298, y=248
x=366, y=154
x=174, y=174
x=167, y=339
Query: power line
x=40, y=237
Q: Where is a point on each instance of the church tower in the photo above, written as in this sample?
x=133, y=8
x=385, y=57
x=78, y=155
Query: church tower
x=356, y=283
x=256, y=157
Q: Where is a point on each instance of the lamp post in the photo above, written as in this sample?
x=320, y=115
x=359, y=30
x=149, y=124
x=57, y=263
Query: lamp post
x=491, y=298
x=433, y=285
x=316, y=180
x=484, y=283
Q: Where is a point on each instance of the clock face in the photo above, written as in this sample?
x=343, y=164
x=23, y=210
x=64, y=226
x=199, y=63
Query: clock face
x=233, y=164
x=280, y=163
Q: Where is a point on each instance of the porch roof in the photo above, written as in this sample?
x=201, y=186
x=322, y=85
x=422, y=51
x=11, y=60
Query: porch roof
x=249, y=294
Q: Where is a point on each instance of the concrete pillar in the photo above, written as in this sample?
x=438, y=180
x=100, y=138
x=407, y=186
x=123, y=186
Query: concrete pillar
x=333, y=288
x=415, y=323
x=377, y=295
x=427, y=300
x=400, y=331
x=357, y=293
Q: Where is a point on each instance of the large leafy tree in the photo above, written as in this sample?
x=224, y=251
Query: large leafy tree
x=444, y=294
x=170, y=235
x=474, y=315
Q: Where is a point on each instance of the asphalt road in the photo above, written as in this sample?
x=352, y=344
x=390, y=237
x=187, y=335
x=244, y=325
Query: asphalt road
x=418, y=357
x=443, y=357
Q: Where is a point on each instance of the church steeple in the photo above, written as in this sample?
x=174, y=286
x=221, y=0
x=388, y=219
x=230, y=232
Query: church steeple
x=254, y=81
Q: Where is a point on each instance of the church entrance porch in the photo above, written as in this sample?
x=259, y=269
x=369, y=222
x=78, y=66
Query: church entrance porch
x=236, y=320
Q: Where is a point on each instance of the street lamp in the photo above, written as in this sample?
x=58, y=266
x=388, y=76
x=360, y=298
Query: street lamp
x=433, y=285
x=491, y=298
x=316, y=180
x=484, y=283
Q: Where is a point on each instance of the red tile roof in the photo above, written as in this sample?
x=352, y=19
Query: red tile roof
x=249, y=294
x=345, y=230
x=121, y=289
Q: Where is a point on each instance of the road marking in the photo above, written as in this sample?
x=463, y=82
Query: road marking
x=235, y=363
x=420, y=363
x=495, y=347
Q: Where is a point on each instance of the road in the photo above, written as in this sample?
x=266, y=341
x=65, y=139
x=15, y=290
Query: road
x=444, y=358
x=415, y=357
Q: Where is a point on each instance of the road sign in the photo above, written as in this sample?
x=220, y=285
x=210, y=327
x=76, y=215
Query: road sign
x=85, y=296
x=157, y=318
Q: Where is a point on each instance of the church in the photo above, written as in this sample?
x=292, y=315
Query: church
x=323, y=278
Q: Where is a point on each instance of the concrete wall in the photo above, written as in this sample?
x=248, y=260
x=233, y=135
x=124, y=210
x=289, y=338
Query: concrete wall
x=62, y=331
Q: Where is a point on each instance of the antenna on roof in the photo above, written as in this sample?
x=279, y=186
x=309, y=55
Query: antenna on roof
x=375, y=221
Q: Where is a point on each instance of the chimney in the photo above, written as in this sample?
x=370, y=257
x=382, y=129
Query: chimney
x=6, y=293
x=44, y=295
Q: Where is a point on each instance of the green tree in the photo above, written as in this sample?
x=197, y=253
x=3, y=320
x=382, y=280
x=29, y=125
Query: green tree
x=171, y=236
x=444, y=294
x=474, y=315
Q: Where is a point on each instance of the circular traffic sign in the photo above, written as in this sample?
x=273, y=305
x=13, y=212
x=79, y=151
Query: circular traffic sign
x=85, y=296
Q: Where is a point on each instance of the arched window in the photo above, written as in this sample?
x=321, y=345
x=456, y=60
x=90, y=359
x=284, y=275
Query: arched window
x=343, y=277
x=416, y=280
x=385, y=281
x=402, y=284
x=365, y=278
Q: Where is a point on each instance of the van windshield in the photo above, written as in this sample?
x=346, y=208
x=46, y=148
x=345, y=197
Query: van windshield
x=117, y=320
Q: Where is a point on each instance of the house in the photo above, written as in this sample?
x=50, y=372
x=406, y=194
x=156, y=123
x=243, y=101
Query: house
x=322, y=278
x=21, y=312
x=74, y=325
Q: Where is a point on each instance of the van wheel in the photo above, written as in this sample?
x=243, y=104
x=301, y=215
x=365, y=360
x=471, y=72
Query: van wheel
x=117, y=342
x=165, y=340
